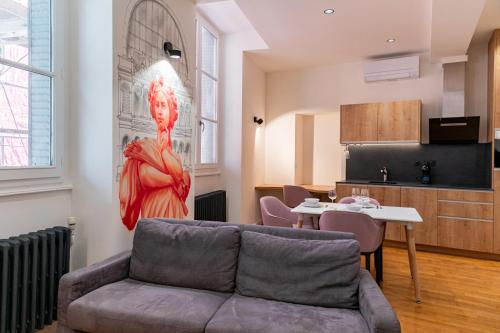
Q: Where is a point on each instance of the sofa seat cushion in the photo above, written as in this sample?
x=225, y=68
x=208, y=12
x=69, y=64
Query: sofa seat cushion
x=131, y=306
x=311, y=272
x=242, y=314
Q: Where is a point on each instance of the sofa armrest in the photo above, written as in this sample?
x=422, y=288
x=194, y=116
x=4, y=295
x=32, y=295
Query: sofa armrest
x=375, y=308
x=82, y=281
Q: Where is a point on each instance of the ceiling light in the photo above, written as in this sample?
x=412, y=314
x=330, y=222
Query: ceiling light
x=329, y=11
x=391, y=40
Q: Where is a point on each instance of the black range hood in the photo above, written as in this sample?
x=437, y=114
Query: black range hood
x=455, y=130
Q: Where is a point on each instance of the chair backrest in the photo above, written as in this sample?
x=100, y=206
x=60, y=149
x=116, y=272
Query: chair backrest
x=350, y=200
x=275, y=213
x=295, y=195
x=368, y=232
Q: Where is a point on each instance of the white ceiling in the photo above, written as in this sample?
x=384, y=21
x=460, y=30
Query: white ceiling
x=299, y=35
x=489, y=21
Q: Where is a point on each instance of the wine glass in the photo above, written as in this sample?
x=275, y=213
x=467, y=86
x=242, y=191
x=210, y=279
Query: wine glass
x=365, y=193
x=332, y=194
x=355, y=192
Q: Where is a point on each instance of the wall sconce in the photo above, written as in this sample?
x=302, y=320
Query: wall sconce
x=171, y=52
x=259, y=121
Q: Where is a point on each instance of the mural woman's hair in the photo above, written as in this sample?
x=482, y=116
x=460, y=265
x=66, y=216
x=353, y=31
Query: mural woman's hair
x=155, y=88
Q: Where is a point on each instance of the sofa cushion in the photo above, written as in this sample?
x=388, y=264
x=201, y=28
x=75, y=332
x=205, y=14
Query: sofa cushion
x=313, y=272
x=131, y=306
x=185, y=256
x=242, y=314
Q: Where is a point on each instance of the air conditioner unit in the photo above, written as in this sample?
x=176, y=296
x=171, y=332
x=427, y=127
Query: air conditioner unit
x=392, y=69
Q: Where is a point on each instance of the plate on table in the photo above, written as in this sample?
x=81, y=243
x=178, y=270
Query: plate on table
x=311, y=205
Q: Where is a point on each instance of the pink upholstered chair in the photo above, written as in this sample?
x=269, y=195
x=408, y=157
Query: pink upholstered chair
x=295, y=195
x=369, y=233
x=277, y=214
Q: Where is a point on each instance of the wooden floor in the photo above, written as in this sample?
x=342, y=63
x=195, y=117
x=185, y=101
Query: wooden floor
x=458, y=294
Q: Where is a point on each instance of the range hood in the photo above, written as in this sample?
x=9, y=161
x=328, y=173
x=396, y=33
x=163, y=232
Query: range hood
x=454, y=130
x=454, y=127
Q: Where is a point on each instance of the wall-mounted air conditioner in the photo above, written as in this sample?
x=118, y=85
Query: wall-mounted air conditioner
x=392, y=69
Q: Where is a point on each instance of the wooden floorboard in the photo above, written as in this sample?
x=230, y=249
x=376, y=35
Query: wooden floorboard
x=458, y=294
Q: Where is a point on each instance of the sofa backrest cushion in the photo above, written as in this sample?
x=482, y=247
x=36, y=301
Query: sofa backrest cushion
x=185, y=256
x=313, y=272
x=275, y=231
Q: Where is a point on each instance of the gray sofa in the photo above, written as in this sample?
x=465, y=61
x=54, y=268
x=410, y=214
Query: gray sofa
x=194, y=277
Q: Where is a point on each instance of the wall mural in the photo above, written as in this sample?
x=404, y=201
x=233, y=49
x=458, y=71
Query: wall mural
x=154, y=117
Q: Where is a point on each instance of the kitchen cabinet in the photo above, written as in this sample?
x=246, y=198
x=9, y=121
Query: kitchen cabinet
x=395, y=121
x=465, y=234
x=496, y=221
x=399, y=121
x=389, y=196
x=456, y=219
x=425, y=202
x=466, y=220
x=493, y=83
x=358, y=123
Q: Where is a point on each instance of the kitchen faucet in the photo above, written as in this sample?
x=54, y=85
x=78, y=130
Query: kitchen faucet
x=385, y=172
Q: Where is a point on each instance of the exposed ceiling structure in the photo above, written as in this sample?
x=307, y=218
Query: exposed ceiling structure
x=298, y=34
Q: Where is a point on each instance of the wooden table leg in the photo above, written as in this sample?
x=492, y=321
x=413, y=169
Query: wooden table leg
x=300, y=221
x=412, y=257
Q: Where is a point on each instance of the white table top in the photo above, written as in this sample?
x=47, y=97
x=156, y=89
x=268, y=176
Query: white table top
x=385, y=213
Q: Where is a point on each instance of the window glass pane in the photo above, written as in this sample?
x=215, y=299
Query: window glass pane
x=208, y=142
x=208, y=52
x=208, y=97
x=25, y=32
x=25, y=118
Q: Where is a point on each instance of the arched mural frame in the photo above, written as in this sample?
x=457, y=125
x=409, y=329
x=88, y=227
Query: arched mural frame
x=141, y=61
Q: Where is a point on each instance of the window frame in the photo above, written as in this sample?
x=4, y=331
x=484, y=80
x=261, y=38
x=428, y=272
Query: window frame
x=35, y=174
x=207, y=168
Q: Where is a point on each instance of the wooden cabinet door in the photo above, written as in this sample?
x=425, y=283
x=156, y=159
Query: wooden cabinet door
x=358, y=123
x=496, y=221
x=399, y=121
x=494, y=81
x=389, y=196
x=425, y=202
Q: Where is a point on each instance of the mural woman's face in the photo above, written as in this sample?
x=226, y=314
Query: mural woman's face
x=162, y=112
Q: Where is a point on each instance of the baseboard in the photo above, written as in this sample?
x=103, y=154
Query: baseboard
x=444, y=250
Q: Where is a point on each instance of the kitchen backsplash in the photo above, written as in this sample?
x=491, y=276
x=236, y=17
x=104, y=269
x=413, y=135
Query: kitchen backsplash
x=458, y=165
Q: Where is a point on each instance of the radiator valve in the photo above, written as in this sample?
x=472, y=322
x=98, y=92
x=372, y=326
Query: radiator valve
x=71, y=221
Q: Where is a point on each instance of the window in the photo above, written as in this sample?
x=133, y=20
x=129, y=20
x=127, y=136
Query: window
x=26, y=87
x=207, y=70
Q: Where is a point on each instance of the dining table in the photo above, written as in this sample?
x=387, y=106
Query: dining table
x=407, y=216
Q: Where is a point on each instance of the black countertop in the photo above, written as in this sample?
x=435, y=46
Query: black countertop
x=414, y=184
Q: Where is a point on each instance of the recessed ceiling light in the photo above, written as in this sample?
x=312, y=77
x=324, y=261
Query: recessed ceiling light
x=391, y=40
x=329, y=11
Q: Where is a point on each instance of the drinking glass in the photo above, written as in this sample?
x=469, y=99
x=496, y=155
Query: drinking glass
x=332, y=194
x=355, y=192
x=365, y=193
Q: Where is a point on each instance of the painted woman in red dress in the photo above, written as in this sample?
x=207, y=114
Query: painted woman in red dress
x=153, y=183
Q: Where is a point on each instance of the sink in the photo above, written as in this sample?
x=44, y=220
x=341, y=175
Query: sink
x=382, y=182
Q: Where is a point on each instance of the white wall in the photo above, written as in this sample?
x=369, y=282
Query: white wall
x=253, y=139
x=322, y=90
x=232, y=130
x=92, y=127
